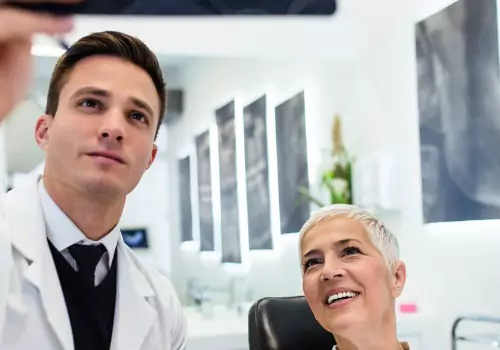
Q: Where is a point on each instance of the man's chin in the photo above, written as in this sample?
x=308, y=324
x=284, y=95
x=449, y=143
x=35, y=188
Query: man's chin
x=109, y=184
x=104, y=187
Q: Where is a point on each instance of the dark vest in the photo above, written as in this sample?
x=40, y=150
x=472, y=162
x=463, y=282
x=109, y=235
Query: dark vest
x=91, y=310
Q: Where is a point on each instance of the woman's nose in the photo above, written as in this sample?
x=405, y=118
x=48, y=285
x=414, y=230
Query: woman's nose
x=332, y=269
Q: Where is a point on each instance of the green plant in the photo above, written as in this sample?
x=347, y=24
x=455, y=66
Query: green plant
x=337, y=178
x=337, y=181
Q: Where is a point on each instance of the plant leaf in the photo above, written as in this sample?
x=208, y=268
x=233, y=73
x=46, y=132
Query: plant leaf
x=305, y=192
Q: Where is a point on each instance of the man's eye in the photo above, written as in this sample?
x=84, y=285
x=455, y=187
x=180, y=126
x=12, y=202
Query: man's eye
x=140, y=117
x=90, y=103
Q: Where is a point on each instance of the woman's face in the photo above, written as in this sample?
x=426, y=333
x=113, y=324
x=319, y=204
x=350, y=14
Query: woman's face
x=345, y=279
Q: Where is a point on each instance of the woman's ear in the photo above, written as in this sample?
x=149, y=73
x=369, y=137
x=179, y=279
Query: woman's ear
x=399, y=278
x=42, y=127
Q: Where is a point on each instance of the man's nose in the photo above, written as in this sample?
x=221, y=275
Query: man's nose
x=113, y=127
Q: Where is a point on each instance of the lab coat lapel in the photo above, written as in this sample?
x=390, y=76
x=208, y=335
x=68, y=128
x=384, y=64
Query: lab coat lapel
x=24, y=216
x=134, y=316
x=5, y=270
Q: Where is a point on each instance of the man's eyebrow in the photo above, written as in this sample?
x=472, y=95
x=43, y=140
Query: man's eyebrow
x=90, y=90
x=142, y=104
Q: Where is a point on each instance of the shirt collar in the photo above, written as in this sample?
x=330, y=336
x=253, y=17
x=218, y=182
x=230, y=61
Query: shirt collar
x=63, y=233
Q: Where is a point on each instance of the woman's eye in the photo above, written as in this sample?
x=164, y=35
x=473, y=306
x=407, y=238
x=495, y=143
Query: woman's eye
x=350, y=251
x=310, y=263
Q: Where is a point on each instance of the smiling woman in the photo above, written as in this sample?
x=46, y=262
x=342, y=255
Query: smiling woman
x=351, y=276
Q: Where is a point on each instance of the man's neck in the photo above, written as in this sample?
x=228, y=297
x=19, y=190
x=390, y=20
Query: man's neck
x=94, y=215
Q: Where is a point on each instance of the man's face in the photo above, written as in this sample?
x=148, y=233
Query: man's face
x=101, y=139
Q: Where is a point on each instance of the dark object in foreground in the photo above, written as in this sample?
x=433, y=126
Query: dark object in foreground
x=189, y=7
x=286, y=323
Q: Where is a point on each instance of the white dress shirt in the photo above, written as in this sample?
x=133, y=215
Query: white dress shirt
x=63, y=233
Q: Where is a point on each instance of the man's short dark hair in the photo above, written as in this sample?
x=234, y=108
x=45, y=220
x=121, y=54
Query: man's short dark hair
x=107, y=43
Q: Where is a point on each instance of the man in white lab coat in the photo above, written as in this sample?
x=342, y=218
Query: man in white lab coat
x=67, y=280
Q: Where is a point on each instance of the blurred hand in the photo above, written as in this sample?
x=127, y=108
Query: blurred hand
x=17, y=28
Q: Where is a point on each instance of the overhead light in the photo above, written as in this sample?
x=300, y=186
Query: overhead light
x=46, y=51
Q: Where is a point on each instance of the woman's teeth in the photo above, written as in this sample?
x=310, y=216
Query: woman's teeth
x=339, y=296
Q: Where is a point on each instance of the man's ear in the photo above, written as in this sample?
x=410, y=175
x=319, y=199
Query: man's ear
x=152, y=158
x=399, y=278
x=42, y=127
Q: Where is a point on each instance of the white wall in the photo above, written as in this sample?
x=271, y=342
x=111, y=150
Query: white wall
x=146, y=207
x=425, y=8
x=23, y=154
x=210, y=84
x=463, y=269
x=333, y=87
x=452, y=268
x=336, y=87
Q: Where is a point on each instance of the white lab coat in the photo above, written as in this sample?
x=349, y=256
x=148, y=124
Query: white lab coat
x=33, y=314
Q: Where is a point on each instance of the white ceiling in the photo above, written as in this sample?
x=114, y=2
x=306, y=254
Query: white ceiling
x=178, y=40
x=235, y=36
x=43, y=66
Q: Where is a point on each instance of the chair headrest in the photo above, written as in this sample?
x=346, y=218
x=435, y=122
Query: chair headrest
x=286, y=324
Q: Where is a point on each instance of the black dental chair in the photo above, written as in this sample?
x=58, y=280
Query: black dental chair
x=286, y=324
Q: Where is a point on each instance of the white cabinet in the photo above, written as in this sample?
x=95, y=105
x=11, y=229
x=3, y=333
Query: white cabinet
x=225, y=330
x=418, y=330
x=228, y=330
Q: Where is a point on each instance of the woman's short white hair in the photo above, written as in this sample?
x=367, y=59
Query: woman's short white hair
x=382, y=238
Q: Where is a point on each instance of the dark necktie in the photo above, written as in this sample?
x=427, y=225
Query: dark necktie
x=87, y=257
